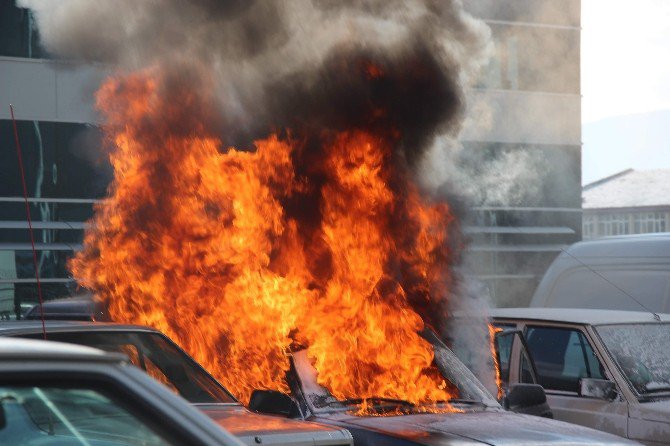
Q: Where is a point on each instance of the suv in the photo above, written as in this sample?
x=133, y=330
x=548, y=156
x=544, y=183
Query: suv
x=609, y=370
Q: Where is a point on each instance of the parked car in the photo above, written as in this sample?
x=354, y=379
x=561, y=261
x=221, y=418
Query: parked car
x=478, y=418
x=61, y=394
x=164, y=361
x=609, y=370
x=613, y=273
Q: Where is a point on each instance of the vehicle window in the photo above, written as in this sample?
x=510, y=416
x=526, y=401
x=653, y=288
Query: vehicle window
x=562, y=357
x=526, y=370
x=157, y=356
x=504, y=347
x=641, y=352
x=64, y=416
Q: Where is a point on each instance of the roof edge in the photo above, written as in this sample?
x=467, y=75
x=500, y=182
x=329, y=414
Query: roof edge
x=606, y=179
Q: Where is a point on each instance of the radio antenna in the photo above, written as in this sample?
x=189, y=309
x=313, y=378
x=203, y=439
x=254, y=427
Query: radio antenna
x=30, y=223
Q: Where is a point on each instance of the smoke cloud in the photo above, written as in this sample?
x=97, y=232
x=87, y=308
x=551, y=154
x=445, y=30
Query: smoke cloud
x=245, y=69
x=273, y=65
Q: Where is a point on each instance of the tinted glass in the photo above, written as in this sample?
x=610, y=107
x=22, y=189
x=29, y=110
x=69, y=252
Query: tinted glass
x=504, y=348
x=562, y=357
x=65, y=416
x=641, y=351
x=161, y=359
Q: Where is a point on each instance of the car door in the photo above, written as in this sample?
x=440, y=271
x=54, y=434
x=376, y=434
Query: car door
x=564, y=354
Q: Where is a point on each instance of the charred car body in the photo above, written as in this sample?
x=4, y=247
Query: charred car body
x=164, y=361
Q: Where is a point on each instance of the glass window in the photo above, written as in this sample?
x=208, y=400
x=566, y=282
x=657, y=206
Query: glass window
x=589, y=227
x=641, y=352
x=646, y=222
x=161, y=359
x=562, y=357
x=18, y=32
x=527, y=375
x=76, y=415
x=519, y=60
x=613, y=224
x=504, y=347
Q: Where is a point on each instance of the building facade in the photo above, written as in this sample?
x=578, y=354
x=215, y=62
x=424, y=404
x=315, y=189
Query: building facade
x=63, y=177
x=525, y=120
x=629, y=202
x=524, y=115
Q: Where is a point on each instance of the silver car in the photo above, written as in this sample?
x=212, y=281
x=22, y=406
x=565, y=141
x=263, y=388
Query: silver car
x=609, y=370
x=67, y=395
x=153, y=352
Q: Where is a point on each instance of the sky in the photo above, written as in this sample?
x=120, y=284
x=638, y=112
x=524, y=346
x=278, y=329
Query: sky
x=625, y=86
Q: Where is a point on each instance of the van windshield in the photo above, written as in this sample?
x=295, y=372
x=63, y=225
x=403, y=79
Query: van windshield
x=640, y=351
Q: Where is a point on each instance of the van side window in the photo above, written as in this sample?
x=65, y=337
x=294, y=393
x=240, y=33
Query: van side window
x=562, y=356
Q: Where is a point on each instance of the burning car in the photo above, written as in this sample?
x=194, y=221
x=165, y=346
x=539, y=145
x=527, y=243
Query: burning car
x=472, y=417
x=164, y=361
x=605, y=369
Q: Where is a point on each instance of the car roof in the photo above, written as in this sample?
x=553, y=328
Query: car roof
x=10, y=328
x=33, y=349
x=638, y=245
x=577, y=315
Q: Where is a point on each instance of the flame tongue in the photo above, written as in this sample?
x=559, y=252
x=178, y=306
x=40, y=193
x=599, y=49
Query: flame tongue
x=236, y=255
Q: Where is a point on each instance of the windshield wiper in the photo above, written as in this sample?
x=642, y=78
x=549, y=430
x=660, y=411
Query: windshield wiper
x=657, y=389
x=373, y=399
x=461, y=401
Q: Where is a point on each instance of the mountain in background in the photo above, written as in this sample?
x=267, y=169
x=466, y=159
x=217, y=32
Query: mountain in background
x=639, y=141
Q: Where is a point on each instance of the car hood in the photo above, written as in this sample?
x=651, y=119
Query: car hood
x=651, y=411
x=494, y=428
x=254, y=429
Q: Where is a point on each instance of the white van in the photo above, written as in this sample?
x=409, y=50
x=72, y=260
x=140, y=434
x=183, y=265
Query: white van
x=614, y=273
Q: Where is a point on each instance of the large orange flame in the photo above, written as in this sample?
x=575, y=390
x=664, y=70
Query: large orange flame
x=200, y=243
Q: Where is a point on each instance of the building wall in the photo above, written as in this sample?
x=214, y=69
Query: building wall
x=526, y=106
x=527, y=101
x=64, y=172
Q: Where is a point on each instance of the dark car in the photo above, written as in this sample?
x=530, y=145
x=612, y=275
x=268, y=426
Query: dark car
x=63, y=394
x=164, y=361
x=477, y=419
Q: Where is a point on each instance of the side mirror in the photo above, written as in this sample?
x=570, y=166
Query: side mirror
x=528, y=399
x=273, y=402
x=601, y=389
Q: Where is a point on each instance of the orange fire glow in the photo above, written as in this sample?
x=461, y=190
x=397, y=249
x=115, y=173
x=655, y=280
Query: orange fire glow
x=496, y=363
x=197, y=241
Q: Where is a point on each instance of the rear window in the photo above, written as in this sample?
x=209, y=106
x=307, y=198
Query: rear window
x=158, y=357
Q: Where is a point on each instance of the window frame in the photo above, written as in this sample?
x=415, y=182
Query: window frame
x=590, y=338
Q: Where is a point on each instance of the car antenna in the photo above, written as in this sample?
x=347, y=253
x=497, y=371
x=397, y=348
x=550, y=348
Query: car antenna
x=30, y=224
x=656, y=316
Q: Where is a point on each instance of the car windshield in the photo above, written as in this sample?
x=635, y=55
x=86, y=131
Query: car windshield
x=640, y=350
x=157, y=356
x=471, y=392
